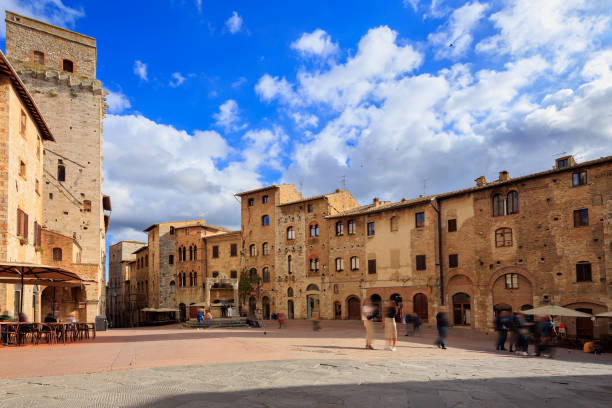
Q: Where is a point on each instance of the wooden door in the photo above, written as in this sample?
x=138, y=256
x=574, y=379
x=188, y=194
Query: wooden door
x=354, y=309
x=584, y=325
x=420, y=306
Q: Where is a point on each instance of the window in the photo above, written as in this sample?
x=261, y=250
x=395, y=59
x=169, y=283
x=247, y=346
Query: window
x=253, y=275
x=371, y=266
x=339, y=264
x=264, y=199
x=453, y=260
x=22, y=224
x=22, y=169
x=67, y=66
x=419, y=219
x=314, y=230
x=195, y=279
x=61, y=172
x=512, y=206
x=339, y=228
x=215, y=274
x=309, y=208
x=265, y=220
x=354, y=263
x=352, y=227
x=266, y=274
x=314, y=265
x=561, y=163
x=172, y=287
x=57, y=254
x=583, y=272
x=579, y=178
x=252, y=250
x=215, y=251
x=421, y=265
x=290, y=292
x=39, y=58
x=38, y=234
x=23, y=122
x=498, y=205
x=195, y=252
x=289, y=264
x=452, y=225
x=394, y=223
x=503, y=237
x=184, y=279
x=290, y=233
x=87, y=205
x=233, y=249
x=171, y=230
x=234, y=274
x=170, y=259
x=190, y=253
x=371, y=228
x=265, y=248
x=190, y=279
x=512, y=281
x=251, y=202
x=581, y=217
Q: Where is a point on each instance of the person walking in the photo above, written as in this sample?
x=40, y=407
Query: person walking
x=281, y=320
x=442, y=325
x=367, y=315
x=229, y=310
x=416, y=324
x=200, y=318
x=501, y=327
x=390, y=312
x=408, y=322
x=208, y=318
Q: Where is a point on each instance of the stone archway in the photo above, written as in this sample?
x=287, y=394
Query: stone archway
x=510, y=291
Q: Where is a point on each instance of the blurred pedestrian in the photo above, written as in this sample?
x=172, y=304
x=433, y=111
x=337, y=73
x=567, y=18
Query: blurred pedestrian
x=390, y=312
x=281, y=320
x=230, y=311
x=513, y=328
x=208, y=318
x=200, y=318
x=544, y=332
x=316, y=321
x=409, y=325
x=367, y=315
x=442, y=325
x=501, y=327
x=416, y=324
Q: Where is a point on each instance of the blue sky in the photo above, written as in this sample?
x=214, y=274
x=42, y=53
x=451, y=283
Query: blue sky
x=400, y=97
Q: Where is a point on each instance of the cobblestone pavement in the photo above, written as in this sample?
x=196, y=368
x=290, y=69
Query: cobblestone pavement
x=511, y=382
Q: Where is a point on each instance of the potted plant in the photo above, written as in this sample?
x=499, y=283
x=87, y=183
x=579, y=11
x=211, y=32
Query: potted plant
x=39, y=249
x=23, y=241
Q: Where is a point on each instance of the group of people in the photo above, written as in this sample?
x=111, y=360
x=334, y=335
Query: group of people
x=204, y=317
x=226, y=310
x=521, y=328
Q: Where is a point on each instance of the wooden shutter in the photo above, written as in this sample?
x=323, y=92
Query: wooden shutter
x=25, y=225
x=19, y=222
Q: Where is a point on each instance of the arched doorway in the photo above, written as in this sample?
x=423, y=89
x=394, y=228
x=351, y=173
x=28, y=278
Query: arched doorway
x=462, y=310
x=420, y=306
x=501, y=307
x=290, y=309
x=376, y=303
x=354, y=308
x=183, y=312
x=337, y=310
x=510, y=291
x=265, y=305
x=397, y=298
x=252, y=306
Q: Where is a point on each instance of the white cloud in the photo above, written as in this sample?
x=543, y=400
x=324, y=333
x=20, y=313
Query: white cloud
x=269, y=88
x=228, y=116
x=177, y=80
x=318, y=43
x=51, y=11
x=117, y=102
x=140, y=69
x=558, y=28
x=412, y=3
x=234, y=23
x=239, y=82
x=454, y=38
x=305, y=120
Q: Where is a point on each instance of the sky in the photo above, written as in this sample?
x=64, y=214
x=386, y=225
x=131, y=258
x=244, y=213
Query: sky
x=390, y=98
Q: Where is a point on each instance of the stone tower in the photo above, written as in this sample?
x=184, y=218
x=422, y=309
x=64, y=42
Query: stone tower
x=58, y=67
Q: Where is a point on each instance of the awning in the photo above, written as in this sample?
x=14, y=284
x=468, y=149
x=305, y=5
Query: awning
x=555, y=311
x=606, y=314
x=106, y=203
x=160, y=310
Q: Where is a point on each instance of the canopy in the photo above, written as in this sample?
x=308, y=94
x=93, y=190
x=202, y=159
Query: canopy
x=555, y=311
x=606, y=314
x=160, y=310
x=34, y=274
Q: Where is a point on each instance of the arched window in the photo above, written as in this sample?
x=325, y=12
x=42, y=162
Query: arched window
x=354, y=263
x=512, y=205
x=314, y=230
x=252, y=250
x=190, y=253
x=184, y=279
x=195, y=253
x=314, y=264
x=394, y=223
x=172, y=287
x=289, y=264
x=57, y=254
x=171, y=230
x=67, y=65
x=195, y=279
x=253, y=275
x=290, y=292
x=265, y=248
x=498, y=205
x=503, y=237
x=265, y=220
x=312, y=286
x=266, y=274
x=61, y=172
x=339, y=264
x=190, y=279
x=290, y=233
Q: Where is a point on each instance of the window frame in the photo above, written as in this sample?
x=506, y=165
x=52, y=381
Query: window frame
x=371, y=228
x=265, y=220
x=339, y=264
x=371, y=266
x=265, y=249
x=421, y=262
x=215, y=251
x=351, y=226
x=453, y=260
x=314, y=265
x=578, y=221
x=290, y=233
x=512, y=204
x=501, y=237
x=419, y=223
x=579, y=178
x=251, y=202
x=452, y=222
x=584, y=272
x=233, y=249
x=498, y=204
x=264, y=199
x=252, y=250
x=354, y=263
x=511, y=280
x=314, y=230
x=339, y=228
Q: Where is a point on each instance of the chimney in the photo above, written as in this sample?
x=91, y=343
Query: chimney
x=504, y=176
x=338, y=190
x=403, y=199
x=375, y=201
x=481, y=181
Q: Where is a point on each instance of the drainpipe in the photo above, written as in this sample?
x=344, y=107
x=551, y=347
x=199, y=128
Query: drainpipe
x=438, y=211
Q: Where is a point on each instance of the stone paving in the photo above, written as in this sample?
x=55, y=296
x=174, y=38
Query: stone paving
x=315, y=370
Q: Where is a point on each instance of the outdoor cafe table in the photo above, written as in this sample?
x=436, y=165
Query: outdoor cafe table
x=4, y=328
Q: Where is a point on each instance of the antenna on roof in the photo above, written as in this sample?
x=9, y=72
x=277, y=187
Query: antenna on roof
x=343, y=178
x=301, y=184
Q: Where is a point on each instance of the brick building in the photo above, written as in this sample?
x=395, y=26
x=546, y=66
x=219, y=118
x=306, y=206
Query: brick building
x=121, y=256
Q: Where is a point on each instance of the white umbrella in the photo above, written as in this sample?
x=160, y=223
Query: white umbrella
x=555, y=311
x=606, y=314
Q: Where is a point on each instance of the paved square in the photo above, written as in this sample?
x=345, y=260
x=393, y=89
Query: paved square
x=294, y=366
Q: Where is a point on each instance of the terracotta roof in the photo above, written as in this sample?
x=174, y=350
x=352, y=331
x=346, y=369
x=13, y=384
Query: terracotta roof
x=222, y=235
x=303, y=200
x=194, y=223
x=498, y=183
x=7, y=69
x=140, y=249
x=371, y=209
x=257, y=190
